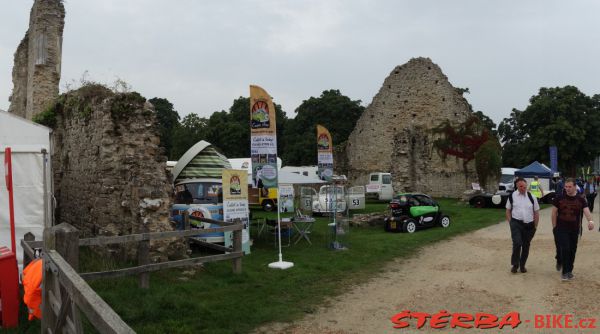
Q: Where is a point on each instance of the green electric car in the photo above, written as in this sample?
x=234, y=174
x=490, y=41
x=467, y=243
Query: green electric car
x=411, y=212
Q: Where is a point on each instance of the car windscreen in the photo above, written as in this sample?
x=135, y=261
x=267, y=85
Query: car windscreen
x=199, y=193
x=328, y=191
x=506, y=178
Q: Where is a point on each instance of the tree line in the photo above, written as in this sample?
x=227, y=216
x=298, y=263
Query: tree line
x=561, y=116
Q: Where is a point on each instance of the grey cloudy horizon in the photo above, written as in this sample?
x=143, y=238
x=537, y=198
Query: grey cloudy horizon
x=201, y=55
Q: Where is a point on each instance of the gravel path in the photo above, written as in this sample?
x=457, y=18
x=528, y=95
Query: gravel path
x=468, y=274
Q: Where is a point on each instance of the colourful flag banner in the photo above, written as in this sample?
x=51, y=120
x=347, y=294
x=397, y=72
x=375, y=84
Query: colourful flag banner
x=324, y=153
x=263, y=139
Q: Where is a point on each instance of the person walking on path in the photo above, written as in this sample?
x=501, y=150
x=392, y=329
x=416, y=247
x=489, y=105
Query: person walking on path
x=590, y=192
x=522, y=213
x=566, y=220
x=535, y=188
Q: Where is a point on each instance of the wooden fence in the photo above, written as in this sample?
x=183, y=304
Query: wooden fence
x=65, y=291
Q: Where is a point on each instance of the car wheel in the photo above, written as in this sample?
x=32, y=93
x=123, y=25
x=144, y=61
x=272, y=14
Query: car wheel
x=479, y=202
x=268, y=206
x=409, y=225
x=445, y=221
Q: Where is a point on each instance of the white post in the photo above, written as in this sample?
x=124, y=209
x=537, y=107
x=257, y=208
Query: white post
x=280, y=264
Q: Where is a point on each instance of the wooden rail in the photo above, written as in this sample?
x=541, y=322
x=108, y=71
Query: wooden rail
x=66, y=293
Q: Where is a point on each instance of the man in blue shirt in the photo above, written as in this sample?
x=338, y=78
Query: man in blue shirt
x=590, y=192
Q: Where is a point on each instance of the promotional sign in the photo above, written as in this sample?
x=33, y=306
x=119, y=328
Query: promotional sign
x=324, y=153
x=263, y=139
x=235, y=201
x=286, y=198
x=554, y=158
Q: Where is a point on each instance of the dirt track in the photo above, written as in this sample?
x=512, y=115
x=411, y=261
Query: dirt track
x=468, y=274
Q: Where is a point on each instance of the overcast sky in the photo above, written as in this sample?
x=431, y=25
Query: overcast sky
x=201, y=55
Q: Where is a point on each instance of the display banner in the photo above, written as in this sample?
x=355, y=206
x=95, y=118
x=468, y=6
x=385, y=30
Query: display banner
x=554, y=158
x=235, y=201
x=263, y=139
x=286, y=198
x=324, y=153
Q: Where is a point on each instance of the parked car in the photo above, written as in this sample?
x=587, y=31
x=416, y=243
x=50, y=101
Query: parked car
x=487, y=200
x=498, y=200
x=411, y=212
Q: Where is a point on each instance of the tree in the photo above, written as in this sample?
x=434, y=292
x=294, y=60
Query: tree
x=487, y=122
x=230, y=131
x=563, y=117
x=337, y=112
x=488, y=161
x=191, y=130
x=168, y=119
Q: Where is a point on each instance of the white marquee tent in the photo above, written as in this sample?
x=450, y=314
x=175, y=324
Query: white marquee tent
x=32, y=178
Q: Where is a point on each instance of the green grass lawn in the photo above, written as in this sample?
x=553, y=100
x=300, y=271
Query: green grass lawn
x=213, y=300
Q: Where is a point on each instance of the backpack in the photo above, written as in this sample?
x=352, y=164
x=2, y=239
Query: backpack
x=510, y=199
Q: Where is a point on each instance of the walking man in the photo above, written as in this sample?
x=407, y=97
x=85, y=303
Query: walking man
x=566, y=220
x=522, y=213
x=590, y=192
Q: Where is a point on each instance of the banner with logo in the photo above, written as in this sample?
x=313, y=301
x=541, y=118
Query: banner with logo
x=554, y=158
x=263, y=139
x=324, y=153
x=235, y=201
x=286, y=198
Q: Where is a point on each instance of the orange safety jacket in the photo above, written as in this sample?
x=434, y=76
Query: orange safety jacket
x=32, y=286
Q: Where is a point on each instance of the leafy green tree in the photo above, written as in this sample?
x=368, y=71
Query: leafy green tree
x=563, y=117
x=488, y=161
x=230, y=131
x=337, y=112
x=168, y=119
x=487, y=122
x=191, y=130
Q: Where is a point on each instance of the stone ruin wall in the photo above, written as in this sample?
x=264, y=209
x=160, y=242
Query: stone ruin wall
x=394, y=133
x=37, y=61
x=109, y=171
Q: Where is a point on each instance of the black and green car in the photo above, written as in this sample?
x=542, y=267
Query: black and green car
x=410, y=212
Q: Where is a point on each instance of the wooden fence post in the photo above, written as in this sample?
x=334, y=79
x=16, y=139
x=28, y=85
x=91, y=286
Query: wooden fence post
x=63, y=238
x=144, y=258
x=186, y=220
x=26, y=259
x=237, y=247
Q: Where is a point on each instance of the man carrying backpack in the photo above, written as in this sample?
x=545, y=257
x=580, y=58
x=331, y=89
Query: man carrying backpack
x=522, y=213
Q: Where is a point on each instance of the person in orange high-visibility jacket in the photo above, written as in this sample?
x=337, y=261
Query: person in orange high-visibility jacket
x=32, y=286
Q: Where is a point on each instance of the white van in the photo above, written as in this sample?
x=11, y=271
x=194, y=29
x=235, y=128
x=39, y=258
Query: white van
x=380, y=186
x=507, y=179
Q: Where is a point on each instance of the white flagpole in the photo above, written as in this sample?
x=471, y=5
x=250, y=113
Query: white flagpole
x=280, y=264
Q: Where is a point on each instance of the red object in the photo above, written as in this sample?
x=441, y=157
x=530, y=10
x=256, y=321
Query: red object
x=9, y=288
x=11, y=205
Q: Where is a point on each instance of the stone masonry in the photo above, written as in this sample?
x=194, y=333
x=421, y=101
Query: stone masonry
x=37, y=61
x=109, y=170
x=394, y=134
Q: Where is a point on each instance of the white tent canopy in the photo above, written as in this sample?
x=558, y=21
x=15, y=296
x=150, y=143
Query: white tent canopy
x=26, y=140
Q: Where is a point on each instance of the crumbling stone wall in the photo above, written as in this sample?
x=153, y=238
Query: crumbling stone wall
x=37, y=61
x=109, y=171
x=394, y=134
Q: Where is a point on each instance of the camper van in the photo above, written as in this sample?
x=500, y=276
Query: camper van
x=380, y=186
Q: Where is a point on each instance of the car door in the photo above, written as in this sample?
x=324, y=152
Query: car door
x=356, y=198
x=426, y=212
x=387, y=191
